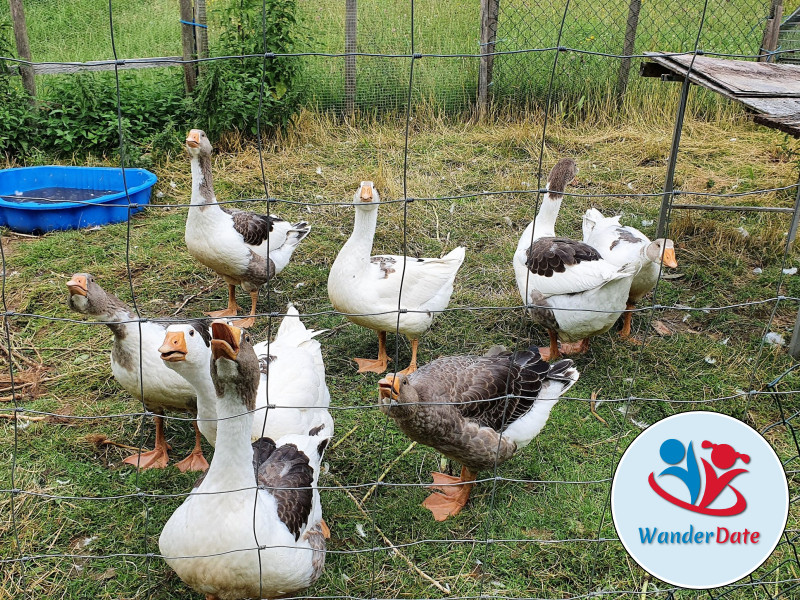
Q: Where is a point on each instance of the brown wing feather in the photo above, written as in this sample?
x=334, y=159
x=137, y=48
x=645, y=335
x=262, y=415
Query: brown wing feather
x=477, y=385
x=286, y=473
x=550, y=255
x=253, y=227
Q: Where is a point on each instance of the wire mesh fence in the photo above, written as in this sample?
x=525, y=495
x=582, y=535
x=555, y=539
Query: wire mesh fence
x=540, y=525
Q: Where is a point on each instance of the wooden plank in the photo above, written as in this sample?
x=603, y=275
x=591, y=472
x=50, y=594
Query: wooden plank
x=788, y=124
x=769, y=42
x=747, y=78
x=104, y=65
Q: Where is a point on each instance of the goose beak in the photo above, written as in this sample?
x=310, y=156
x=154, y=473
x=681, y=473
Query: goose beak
x=366, y=191
x=225, y=341
x=174, y=347
x=77, y=285
x=669, y=258
x=193, y=138
x=389, y=387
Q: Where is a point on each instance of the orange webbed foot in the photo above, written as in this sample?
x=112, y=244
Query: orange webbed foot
x=154, y=459
x=576, y=348
x=194, y=462
x=326, y=531
x=450, y=499
x=226, y=312
x=546, y=354
x=366, y=365
x=245, y=323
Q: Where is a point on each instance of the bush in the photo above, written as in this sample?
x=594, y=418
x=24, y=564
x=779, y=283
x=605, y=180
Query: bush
x=227, y=96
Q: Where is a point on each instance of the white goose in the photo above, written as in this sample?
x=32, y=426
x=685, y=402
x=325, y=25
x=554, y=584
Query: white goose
x=160, y=389
x=292, y=373
x=556, y=273
x=244, y=248
x=620, y=245
x=367, y=288
x=212, y=540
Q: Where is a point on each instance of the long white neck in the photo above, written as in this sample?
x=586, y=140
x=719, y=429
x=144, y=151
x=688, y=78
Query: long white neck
x=545, y=222
x=199, y=378
x=232, y=465
x=202, y=183
x=360, y=242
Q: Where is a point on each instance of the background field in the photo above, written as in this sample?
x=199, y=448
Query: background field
x=707, y=355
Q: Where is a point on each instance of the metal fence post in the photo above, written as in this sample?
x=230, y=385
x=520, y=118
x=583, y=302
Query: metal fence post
x=794, y=345
x=669, y=184
x=350, y=30
x=23, y=47
x=187, y=43
x=489, y=11
x=628, y=47
x=769, y=42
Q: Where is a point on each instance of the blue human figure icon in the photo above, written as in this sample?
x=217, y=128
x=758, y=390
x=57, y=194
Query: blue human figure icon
x=672, y=452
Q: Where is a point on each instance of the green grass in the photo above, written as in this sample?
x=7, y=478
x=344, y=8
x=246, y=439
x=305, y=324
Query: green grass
x=58, y=456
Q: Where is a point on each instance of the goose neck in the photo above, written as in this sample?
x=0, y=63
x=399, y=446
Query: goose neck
x=545, y=222
x=360, y=241
x=202, y=180
x=232, y=466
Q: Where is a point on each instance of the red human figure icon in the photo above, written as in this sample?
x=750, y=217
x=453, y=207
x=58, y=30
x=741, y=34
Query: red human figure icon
x=724, y=457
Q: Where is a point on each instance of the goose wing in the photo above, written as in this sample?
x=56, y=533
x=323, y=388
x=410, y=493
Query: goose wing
x=426, y=284
x=494, y=391
x=565, y=266
x=286, y=473
x=253, y=227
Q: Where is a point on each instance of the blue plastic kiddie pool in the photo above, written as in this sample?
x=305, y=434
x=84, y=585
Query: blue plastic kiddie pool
x=39, y=199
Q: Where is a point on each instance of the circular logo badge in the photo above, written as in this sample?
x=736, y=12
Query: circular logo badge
x=699, y=500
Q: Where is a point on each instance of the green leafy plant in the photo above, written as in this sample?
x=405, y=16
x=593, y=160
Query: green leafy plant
x=229, y=90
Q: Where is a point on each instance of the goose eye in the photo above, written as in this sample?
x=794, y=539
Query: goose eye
x=191, y=333
x=247, y=338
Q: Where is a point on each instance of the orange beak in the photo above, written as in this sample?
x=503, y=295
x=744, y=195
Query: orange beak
x=389, y=387
x=174, y=347
x=77, y=285
x=366, y=191
x=193, y=138
x=669, y=258
x=225, y=341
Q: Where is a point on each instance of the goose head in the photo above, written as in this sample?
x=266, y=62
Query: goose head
x=187, y=346
x=561, y=175
x=88, y=298
x=661, y=251
x=234, y=364
x=366, y=197
x=197, y=143
x=398, y=397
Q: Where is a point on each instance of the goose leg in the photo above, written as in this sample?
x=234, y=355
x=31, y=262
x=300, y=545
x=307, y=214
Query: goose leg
x=625, y=332
x=248, y=322
x=156, y=458
x=576, y=348
x=452, y=497
x=551, y=352
x=365, y=365
x=233, y=308
x=195, y=461
x=412, y=366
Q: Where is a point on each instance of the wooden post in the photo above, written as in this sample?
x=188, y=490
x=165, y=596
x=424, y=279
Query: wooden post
x=187, y=40
x=628, y=47
x=489, y=10
x=769, y=42
x=201, y=33
x=23, y=47
x=350, y=30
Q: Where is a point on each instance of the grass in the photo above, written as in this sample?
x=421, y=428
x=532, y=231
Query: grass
x=708, y=355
